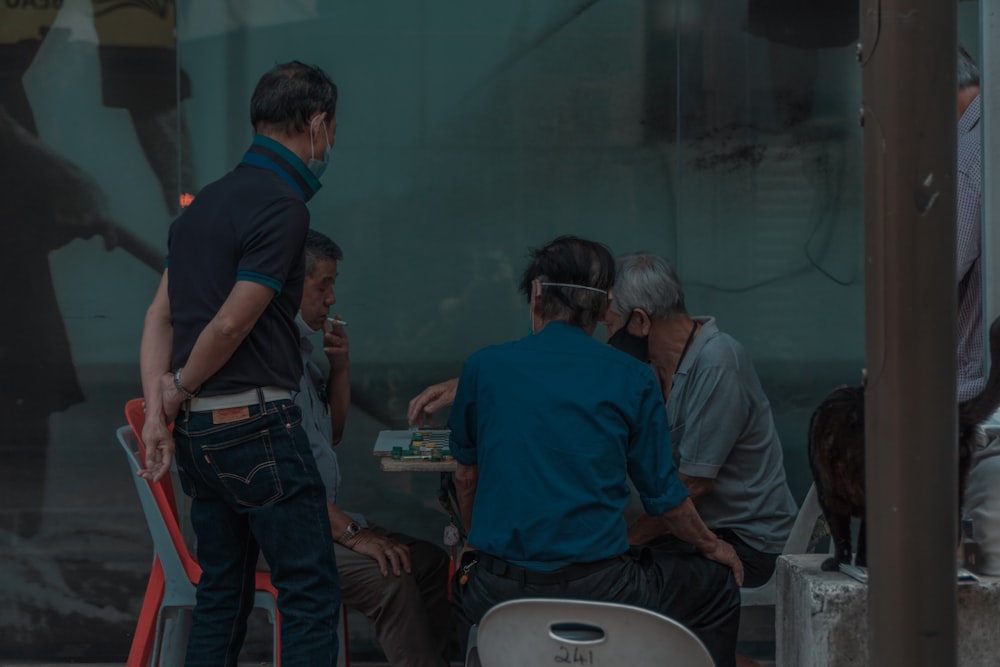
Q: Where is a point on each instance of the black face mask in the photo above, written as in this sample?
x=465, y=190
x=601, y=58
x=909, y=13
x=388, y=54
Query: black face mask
x=629, y=343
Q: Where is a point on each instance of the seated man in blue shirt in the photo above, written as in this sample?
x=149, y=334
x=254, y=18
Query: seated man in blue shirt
x=398, y=582
x=546, y=431
x=724, y=440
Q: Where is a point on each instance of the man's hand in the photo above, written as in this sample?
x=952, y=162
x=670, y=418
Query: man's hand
x=336, y=346
x=430, y=400
x=159, y=450
x=725, y=554
x=170, y=397
x=684, y=522
x=384, y=550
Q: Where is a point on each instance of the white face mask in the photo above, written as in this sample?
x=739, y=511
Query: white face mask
x=317, y=167
x=536, y=290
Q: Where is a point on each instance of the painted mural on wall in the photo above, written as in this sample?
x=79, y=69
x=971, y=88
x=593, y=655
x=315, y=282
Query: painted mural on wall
x=49, y=202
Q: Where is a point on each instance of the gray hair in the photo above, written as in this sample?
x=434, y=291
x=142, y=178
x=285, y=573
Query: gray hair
x=968, y=73
x=320, y=247
x=647, y=281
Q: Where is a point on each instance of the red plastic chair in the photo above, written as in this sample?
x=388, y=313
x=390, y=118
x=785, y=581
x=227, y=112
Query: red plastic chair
x=175, y=573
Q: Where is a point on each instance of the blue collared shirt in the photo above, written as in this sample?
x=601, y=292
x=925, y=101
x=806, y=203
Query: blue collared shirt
x=316, y=414
x=316, y=418
x=555, y=422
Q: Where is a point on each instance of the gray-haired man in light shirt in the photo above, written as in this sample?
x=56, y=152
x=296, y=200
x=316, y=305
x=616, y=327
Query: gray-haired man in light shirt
x=722, y=431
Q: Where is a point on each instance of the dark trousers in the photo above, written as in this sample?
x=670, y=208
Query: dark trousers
x=758, y=566
x=254, y=488
x=409, y=614
x=688, y=588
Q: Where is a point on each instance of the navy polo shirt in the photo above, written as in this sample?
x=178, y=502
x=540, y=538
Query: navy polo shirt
x=554, y=421
x=249, y=225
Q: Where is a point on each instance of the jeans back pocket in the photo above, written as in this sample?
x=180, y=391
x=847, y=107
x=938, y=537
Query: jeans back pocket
x=246, y=467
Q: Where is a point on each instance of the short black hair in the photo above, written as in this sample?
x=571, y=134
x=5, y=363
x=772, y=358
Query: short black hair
x=320, y=247
x=572, y=261
x=288, y=95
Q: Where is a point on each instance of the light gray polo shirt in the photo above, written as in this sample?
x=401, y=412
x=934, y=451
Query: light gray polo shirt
x=721, y=428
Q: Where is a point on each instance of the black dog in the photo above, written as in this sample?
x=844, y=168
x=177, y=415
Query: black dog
x=837, y=453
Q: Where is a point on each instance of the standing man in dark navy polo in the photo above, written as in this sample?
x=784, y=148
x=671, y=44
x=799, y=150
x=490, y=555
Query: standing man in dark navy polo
x=220, y=353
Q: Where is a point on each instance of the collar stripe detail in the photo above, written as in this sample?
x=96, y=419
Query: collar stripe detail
x=269, y=154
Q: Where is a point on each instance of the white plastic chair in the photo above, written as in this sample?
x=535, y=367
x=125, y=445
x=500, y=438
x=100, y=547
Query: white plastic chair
x=537, y=632
x=797, y=543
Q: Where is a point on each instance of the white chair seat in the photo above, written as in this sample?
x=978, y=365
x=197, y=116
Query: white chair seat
x=533, y=632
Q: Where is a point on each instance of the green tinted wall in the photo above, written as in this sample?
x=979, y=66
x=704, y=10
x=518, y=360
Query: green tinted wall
x=722, y=134
x=469, y=133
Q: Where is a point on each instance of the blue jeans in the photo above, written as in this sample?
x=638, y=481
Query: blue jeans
x=254, y=487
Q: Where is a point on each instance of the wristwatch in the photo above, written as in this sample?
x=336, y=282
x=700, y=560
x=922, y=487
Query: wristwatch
x=350, y=532
x=184, y=392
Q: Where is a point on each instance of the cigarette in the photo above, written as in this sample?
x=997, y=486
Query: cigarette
x=336, y=320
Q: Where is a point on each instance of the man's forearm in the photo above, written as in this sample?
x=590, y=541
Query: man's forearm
x=697, y=486
x=683, y=521
x=213, y=348
x=339, y=390
x=339, y=520
x=225, y=332
x=155, y=349
x=466, y=480
x=646, y=528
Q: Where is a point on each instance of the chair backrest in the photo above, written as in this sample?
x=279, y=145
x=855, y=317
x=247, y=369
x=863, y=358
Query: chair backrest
x=797, y=543
x=805, y=522
x=533, y=632
x=160, y=510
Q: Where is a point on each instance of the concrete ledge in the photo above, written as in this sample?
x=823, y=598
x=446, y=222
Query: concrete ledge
x=821, y=618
